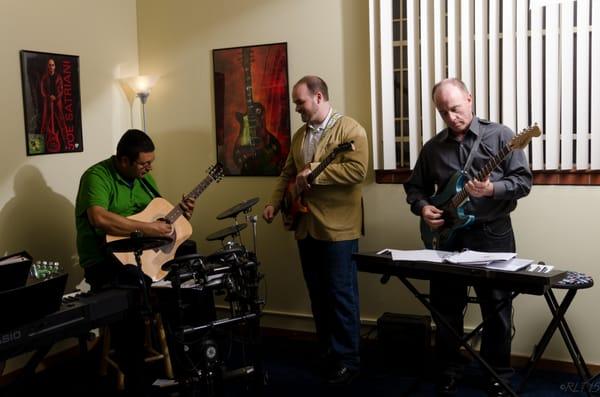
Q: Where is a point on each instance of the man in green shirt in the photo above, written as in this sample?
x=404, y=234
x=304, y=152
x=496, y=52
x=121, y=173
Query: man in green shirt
x=109, y=192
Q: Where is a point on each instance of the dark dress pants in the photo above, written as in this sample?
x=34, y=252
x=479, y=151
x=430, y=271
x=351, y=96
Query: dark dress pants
x=449, y=296
x=331, y=279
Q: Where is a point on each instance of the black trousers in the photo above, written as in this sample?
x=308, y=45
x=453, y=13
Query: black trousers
x=127, y=335
x=449, y=296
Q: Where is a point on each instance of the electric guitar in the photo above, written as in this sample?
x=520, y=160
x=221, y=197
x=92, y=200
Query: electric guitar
x=256, y=149
x=161, y=209
x=292, y=204
x=453, y=197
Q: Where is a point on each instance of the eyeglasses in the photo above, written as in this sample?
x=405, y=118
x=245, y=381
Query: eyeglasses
x=145, y=164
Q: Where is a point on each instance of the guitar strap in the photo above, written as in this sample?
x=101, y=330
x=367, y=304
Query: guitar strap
x=149, y=188
x=467, y=167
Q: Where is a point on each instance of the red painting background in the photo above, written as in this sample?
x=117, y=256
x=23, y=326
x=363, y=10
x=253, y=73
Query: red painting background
x=269, y=87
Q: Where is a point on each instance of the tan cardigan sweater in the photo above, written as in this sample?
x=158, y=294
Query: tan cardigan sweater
x=335, y=198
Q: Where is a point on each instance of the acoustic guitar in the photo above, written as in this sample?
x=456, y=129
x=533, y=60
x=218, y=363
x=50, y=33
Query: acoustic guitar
x=292, y=205
x=454, y=196
x=161, y=209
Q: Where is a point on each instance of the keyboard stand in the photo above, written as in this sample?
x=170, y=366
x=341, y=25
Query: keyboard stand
x=441, y=321
x=572, y=283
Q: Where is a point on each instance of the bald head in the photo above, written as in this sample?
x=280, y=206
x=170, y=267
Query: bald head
x=454, y=103
x=315, y=84
x=449, y=81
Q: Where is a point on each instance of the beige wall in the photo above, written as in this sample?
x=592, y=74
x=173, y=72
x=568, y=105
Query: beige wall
x=176, y=39
x=37, y=193
x=328, y=38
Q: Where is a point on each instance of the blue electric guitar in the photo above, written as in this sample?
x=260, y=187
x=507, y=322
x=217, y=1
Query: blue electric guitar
x=453, y=197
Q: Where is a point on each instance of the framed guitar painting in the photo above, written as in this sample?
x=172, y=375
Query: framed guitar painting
x=51, y=102
x=252, y=109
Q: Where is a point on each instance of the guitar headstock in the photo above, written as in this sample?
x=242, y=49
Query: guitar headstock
x=523, y=138
x=344, y=147
x=216, y=172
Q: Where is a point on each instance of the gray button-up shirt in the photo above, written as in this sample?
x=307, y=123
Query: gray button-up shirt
x=443, y=155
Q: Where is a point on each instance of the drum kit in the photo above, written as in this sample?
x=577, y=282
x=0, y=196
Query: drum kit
x=231, y=271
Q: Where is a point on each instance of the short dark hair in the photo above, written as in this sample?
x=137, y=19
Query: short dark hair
x=314, y=84
x=132, y=143
x=451, y=81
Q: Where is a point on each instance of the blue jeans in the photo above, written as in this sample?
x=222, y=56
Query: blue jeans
x=330, y=276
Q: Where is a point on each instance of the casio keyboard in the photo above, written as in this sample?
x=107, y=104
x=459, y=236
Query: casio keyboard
x=78, y=313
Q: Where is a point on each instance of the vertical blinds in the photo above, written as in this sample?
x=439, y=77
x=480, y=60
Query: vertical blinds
x=524, y=62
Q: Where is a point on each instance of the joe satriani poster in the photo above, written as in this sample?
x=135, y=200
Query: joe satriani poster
x=252, y=108
x=52, y=103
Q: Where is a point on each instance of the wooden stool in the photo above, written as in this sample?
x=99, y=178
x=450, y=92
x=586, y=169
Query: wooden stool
x=152, y=353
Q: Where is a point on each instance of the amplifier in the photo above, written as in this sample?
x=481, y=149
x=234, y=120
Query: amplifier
x=404, y=341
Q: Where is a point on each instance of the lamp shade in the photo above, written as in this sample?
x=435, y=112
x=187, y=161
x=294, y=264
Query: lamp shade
x=142, y=84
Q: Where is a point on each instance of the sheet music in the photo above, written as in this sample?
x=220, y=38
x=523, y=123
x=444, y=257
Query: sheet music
x=511, y=265
x=424, y=255
x=506, y=261
x=479, y=258
x=12, y=259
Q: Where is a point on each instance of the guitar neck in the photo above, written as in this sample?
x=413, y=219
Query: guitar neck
x=177, y=211
x=461, y=196
x=247, y=63
x=315, y=173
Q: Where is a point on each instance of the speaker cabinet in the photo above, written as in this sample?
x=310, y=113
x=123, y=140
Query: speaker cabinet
x=404, y=341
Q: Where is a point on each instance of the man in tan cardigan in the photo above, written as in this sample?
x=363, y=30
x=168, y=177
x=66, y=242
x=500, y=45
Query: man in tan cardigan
x=328, y=233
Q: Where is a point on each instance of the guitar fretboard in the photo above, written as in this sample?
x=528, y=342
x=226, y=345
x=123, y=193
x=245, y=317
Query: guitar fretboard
x=461, y=196
x=213, y=175
x=318, y=169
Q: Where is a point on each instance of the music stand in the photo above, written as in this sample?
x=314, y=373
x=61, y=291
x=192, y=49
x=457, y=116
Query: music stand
x=31, y=302
x=14, y=270
x=138, y=244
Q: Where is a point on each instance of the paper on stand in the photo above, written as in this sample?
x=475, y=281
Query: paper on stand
x=506, y=261
x=479, y=258
x=418, y=255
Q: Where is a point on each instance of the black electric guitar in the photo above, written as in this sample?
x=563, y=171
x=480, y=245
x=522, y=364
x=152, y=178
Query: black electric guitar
x=256, y=149
x=453, y=197
x=292, y=205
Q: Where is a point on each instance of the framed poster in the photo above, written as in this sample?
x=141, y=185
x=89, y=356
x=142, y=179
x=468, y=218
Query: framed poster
x=252, y=108
x=51, y=102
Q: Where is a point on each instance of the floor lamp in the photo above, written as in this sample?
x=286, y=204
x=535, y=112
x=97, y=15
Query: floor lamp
x=142, y=85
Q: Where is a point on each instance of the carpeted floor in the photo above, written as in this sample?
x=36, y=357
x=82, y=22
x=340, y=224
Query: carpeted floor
x=291, y=370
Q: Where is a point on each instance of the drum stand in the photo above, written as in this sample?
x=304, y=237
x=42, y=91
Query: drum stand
x=207, y=379
x=239, y=281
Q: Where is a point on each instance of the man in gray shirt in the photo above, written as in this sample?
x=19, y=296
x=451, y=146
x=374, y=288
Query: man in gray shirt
x=490, y=201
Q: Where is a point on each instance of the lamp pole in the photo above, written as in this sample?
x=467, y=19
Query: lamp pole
x=143, y=98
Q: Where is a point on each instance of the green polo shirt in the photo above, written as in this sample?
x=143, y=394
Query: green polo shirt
x=102, y=185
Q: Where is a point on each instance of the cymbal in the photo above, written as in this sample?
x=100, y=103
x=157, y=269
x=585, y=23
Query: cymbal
x=236, y=209
x=228, y=231
x=132, y=244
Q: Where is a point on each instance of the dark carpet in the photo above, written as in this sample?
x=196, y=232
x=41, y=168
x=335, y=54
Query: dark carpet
x=290, y=370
